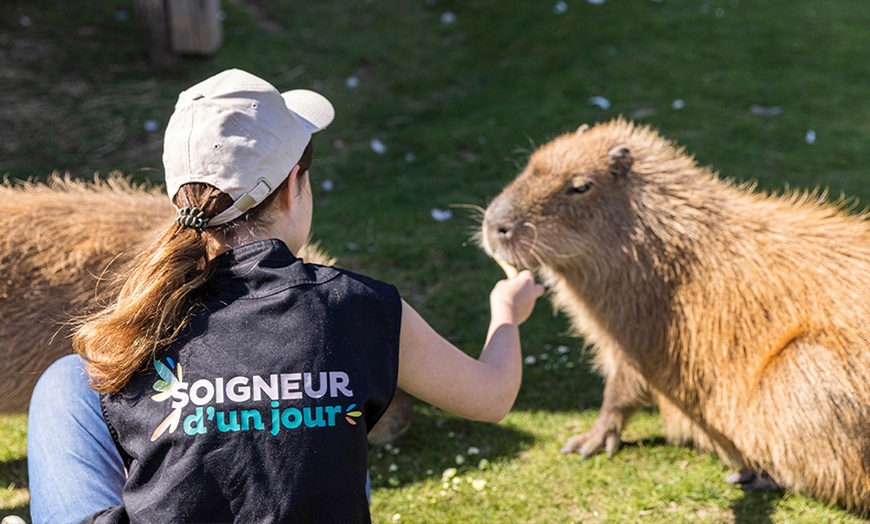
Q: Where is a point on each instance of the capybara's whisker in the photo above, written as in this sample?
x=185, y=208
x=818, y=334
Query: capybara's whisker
x=480, y=210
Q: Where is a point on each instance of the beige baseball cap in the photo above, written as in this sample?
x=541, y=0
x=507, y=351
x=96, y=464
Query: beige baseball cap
x=236, y=132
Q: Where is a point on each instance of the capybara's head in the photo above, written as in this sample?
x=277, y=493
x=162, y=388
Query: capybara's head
x=579, y=201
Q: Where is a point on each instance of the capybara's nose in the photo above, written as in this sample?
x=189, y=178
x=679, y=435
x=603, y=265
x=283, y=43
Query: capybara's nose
x=496, y=220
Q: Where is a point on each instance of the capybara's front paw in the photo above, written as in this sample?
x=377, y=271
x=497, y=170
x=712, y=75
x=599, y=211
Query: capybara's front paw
x=593, y=441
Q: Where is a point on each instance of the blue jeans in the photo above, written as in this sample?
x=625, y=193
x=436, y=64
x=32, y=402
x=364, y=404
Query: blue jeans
x=73, y=466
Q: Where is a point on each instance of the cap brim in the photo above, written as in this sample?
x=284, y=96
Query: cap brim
x=311, y=106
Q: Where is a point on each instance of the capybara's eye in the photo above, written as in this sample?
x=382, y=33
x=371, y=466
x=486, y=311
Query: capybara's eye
x=579, y=190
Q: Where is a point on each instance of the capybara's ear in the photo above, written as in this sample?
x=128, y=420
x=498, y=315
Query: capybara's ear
x=582, y=129
x=620, y=161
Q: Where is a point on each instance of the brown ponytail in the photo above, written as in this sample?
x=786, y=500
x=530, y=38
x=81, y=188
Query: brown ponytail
x=154, y=301
x=154, y=298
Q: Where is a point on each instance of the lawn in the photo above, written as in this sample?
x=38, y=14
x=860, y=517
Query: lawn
x=439, y=103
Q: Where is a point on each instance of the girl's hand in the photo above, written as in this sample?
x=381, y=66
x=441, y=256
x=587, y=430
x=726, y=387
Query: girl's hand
x=512, y=300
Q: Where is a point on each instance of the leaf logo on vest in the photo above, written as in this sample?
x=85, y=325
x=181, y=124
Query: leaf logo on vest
x=272, y=389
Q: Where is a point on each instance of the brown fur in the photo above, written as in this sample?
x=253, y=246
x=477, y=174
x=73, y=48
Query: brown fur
x=56, y=241
x=745, y=315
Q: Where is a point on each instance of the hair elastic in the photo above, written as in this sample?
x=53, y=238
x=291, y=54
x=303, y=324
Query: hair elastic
x=191, y=217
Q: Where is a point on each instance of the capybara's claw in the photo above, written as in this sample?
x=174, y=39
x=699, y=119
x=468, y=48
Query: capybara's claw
x=572, y=445
x=741, y=476
x=592, y=442
x=611, y=443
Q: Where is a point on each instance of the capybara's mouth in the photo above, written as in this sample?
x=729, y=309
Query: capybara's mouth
x=503, y=247
x=502, y=239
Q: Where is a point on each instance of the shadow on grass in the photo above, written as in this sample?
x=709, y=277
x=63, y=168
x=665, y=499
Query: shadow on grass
x=755, y=507
x=649, y=442
x=13, y=474
x=434, y=442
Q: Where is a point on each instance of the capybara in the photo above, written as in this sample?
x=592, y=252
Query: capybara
x=744, y=314
x=56, y=241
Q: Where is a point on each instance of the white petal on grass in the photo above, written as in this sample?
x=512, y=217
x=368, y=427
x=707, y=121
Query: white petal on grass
x=460, y=460
x=596, y=2
x=599, y=101
x=472, y=450
x=448, y=474
x=352, y=82
x=378, y=146
x=560, y=7
x=530, y=360
x=151, y=125
x=811, y=137
x=478, y=484
x=678, y=104
x=448, y=17
x=327, y=185
x=440, y=215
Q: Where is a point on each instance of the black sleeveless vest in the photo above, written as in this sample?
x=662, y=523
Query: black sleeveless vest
x=259, y=411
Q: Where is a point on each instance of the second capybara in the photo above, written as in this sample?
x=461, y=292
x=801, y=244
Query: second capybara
x=744, y=314
x=56, y=242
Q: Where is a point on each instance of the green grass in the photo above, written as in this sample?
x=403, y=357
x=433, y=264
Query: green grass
x=459, y=107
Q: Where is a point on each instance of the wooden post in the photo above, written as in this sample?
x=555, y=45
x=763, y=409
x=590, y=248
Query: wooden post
x=154, y=18
x=180, y=27
x=194, y=26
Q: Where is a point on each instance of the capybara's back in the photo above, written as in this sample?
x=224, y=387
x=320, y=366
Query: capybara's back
x=746, y=313
x=56, y=241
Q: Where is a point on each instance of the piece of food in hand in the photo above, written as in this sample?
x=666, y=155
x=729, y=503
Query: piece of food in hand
x=509, y=270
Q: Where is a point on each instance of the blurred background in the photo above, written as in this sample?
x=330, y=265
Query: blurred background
x=438, y=105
